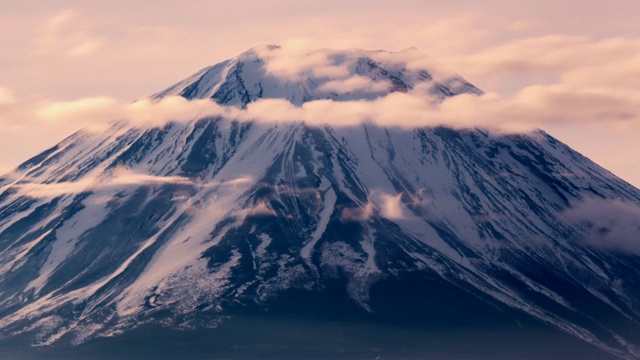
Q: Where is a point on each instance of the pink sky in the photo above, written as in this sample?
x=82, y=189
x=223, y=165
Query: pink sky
x=586, y=53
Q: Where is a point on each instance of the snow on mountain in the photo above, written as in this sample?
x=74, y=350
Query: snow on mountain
x=176, y=224
x=270, y=72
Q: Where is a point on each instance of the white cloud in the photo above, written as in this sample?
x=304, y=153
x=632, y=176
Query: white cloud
x=532, y=107
x=334, y=71
x=387, y=205
x=117, y=178
x=355, y=83
x=331, y=72
x=573, y=59
x=128, y=177
x=293, y=62
x=391, y=207
x=98, y=112
x=93, y=109
x=567, y=102
x=621, y=73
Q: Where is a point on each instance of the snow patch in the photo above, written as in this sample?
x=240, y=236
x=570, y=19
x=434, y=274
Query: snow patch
x=330, y=198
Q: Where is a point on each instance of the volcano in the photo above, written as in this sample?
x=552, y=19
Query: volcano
x=221, y=237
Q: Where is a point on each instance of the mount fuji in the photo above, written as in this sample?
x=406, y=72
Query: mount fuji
x=225, y=237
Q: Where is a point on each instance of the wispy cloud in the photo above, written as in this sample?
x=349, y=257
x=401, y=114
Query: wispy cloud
x=119, y=178
x=536, y=106
x=532, y=107
x=93, y=109
x=551, y=54
x=355, y=84
x=66, y=34
x=609, y=224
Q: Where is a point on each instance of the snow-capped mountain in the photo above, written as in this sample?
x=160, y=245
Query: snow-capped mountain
x=185, y=223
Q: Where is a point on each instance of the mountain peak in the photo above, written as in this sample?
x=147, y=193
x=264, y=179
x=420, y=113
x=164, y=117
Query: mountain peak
x=299, y=76
x=211, y=221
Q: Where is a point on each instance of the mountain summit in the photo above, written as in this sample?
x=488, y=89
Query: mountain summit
x=270, y=72
x=253, y=227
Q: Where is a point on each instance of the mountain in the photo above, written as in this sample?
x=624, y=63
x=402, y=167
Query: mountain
x=372, y=240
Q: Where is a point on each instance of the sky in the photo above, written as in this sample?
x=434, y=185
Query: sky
x=570, y=67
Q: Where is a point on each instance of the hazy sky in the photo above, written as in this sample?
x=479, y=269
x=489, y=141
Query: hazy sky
x=575, y=58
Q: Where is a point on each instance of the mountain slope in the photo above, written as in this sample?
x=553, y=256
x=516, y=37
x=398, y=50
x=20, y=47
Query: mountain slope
x=186, y=223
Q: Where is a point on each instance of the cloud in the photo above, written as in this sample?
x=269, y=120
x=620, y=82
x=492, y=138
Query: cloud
x=96, y=113
x=391, y=206
x=66, y=34
x=93, y=109
x=119, y=178
x=530, y=108
x=115, y=179
x=331, y=71
x=293, y=62
x=567, y=102
x=387, y=205
x=128, y=177
x=557, y=56
x=623, y=73
x=609, y=224
x=357, y=213
x=40, y=190
x=540, y=106
x=56, y=22
x=355, y=83
x=260, y=209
